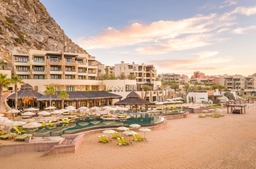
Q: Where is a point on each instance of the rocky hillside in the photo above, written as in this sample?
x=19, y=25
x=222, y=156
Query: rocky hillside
x=26, y=24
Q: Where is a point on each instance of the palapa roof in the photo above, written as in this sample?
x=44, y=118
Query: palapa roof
x=82, y=95
x=26, y=91
x=132, y=99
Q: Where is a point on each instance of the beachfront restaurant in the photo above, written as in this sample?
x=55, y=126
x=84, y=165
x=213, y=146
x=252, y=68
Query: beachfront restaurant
x=27, y=97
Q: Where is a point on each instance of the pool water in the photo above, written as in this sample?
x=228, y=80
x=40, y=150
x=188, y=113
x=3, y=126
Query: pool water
x=93, y=123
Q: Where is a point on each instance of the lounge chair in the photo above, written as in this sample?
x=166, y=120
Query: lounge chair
x=102, y=140
x=2, y=132
x=7, y=136
x=124, y=141
x=137, y=137
x=50, y=124
x=43, y=124
x=121, y=143
x=22, y=137
x=116, y=135
x=19, y=130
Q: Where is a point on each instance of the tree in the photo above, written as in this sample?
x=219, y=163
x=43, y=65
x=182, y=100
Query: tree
x=4, y=83
x=131, y=77
x=63, y=95
x=3, y=63
x=146, y=88
x=50, y=90
x=122, y=77
x=106, y=70
x=16, y=80
x=111, y=77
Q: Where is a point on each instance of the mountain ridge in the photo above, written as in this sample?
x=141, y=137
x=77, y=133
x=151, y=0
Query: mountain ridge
x=26, y=25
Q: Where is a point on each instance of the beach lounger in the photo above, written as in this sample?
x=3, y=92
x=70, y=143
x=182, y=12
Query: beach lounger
x=19, y=130
x=50, y=124
x=121, y=143
x=124, y=141
x=22, y=137
x=7, y=136
x=102, y=140
x=116, y=135
x=137, y=137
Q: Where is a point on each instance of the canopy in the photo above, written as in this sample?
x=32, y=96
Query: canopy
x=132, y=99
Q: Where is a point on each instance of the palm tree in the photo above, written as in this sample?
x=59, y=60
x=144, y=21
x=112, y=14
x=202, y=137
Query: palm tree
x=146, y=88
x=63, y=95
x=122, y=77
x=50, y=90
x=4, y=83
x=112, y=76
x=16, y=80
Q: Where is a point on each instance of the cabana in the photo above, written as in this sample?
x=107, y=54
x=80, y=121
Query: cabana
x=133, y=99
x=27, y=97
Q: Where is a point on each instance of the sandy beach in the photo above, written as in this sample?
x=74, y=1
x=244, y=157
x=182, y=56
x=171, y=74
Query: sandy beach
x=189, y=143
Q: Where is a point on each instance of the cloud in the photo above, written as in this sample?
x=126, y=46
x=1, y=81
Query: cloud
x=245, y=11
x=207, y=54
x=242, y=30
x=227, y=3
x=160, y=36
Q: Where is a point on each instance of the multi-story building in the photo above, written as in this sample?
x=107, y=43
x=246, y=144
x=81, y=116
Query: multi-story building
x=241, y=84
x=169, y=77
x=142, y=72
x=64, y=70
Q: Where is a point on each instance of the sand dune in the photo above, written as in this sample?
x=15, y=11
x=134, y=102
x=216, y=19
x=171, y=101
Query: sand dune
x=191, y=143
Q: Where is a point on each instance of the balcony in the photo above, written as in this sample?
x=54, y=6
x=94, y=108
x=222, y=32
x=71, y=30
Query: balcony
x=55, y=72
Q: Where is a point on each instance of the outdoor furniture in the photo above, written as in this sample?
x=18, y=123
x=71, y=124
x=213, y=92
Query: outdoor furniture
x=137, y=137
x=7, y=136
x=116, y=135
x=121, y=143
x=124, y=141
x=19, y=130
x=102, y=140
x=22, y=137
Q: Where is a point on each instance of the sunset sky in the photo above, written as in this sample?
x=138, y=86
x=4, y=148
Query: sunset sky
x=215, y=37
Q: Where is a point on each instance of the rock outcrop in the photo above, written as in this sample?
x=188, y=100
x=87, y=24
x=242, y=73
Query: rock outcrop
x=25, y=25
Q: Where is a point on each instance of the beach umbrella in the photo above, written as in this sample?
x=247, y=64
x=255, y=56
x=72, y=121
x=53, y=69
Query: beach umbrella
x=44, y=113
x=135, y=126
x=109, y=132
x=12, y=111
x=122, y=128
x=50, y=108
x=15, y=123
x=28, y=114
x=144, y=129
x=57, y=112
x=32, y=109
x=129, y=133
x=32, y=125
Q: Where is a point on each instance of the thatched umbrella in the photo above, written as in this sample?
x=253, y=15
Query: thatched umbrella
x=133, y=99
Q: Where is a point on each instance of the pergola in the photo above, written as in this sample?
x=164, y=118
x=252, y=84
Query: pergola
x=236, y=108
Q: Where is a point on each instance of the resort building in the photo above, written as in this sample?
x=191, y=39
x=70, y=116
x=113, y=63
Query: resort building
x=67, y=71
x=170, y=77
x=142, y=72
x=240, y=84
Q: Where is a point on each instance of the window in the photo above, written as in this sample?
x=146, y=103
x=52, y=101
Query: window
x=55, y=76
x=38, y=76
x=69, y=69
x=80, y=61
x=69, y=77
x=23, y=59
x=39, y=68
x=23, y=69
x=54, y=59
x=55, y=68
x=38, y=59
x=68, y=59
x=70, y=88
x=23, y=76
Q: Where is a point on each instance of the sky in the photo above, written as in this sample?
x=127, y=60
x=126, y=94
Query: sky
x=215, y=37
